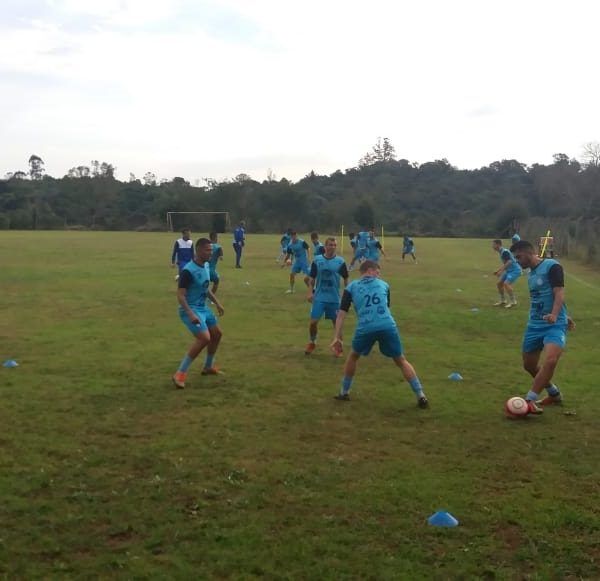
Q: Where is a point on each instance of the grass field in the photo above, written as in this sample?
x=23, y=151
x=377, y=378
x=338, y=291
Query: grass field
x=107, y=471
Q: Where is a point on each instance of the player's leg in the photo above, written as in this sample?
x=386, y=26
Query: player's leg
x=292, y=281
x=349, y=372
x=414, y=255
x=331, y=313
x=553, y=350
x=533, y=344
x=500, y=287
x=202, y=339
x=215, y=338
x=313, y=330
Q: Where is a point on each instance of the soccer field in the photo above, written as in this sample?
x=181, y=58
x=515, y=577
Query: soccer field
x=107, y=471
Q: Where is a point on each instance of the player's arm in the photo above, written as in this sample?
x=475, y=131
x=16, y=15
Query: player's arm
x=184, y=282
x=220, y=254
x=341, y=317
x=288, y=256
x=380, y=248
x=307, y=248
x=557, y=281
x=174, y=255
x=214, y=299
x=505, y=263
x=344, y=274
x=311, y=282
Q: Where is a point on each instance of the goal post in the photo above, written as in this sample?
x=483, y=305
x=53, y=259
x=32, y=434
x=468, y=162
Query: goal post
x=198, y=221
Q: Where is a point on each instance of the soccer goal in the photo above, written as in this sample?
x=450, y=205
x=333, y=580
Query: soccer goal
x=198, y=222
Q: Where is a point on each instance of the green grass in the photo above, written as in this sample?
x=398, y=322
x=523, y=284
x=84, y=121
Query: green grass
x=107, y=471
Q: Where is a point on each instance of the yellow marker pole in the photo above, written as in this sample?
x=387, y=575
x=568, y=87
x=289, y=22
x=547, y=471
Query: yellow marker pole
x=543, y=252
x=342, y=241
x=382, y=238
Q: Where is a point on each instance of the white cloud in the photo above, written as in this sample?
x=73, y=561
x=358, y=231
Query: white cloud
x=171, y=85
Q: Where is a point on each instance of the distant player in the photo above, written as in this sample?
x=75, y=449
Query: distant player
x=324, y=290
x=217, y=254
x=299, y=249
x=183, y=251
x=371, y=298
x=284, y=243
x=239, y=241
x=374, y=248
x=547, y=326
x=318, y=248
x=360, y=252
x=515, y=238
x=352, y=238
x=507, y=274
x=408, y=247
x=195, y=315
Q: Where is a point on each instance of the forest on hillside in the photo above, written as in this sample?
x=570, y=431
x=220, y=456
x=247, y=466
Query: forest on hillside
x=428, y=199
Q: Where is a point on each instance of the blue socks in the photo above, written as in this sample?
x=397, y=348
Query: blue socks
x=313, y=338
x=531, y=396
x=346, y=385
x=209, y=361
x=185, y=364
x=416, y=386
x=553, y=390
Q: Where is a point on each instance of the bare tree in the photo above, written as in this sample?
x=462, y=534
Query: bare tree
x=591, y=154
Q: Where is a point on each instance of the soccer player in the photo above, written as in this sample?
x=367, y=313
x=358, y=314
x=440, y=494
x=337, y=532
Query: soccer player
x=408, y=247
x=217, y=254
x=300, y=250
x=195, y=315
x=547, y=326
x=352, y=238
x=515, y=238
x=284, y=242
x=239, y=241
x=507, y=274
x=360, y=252
x=371, y=298
x=374, y=248
x=318, y=248
x=183, y=251
x=324, y=290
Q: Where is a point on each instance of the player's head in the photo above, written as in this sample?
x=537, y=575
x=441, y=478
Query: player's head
x=186, y=234
x=213, y=236
x=369, y=268
x=515, y=238
x=330, y=246
x=289, y=231
x=497, y=244
x=371, y=233
x=294, y=235
x=524, y=253
x=314, y=236
x=203, y=249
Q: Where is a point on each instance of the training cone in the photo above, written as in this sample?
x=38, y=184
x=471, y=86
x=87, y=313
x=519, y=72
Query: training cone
x=442, y=519
x=10, y=363
x=455, y=376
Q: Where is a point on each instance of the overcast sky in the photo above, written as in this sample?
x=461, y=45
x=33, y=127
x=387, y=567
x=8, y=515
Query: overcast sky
x=214, y=88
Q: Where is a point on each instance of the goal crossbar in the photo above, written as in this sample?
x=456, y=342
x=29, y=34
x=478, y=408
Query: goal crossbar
x=171, y=214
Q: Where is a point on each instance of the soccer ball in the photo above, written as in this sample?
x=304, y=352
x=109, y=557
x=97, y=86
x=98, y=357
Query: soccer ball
x=516, y=407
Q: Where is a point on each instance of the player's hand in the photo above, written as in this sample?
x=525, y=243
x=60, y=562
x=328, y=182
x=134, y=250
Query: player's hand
x=220, y=310
x=195, y=320
x=571, y=326
x=550, y=318
x=309, y=297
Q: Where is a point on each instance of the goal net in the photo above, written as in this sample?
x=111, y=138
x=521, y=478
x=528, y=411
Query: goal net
x=198, y=222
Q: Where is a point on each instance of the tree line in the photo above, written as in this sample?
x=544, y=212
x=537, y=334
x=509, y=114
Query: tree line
x=428, y=199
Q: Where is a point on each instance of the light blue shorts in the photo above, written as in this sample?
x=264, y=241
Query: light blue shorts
x=535, y=338
x=205, y=316
x=320, y=308
x=300, y=266
x=510, y=277
x=389, y=341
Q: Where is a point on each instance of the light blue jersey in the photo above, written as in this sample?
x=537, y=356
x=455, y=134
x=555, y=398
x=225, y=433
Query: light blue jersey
x=318, y=248
x=214, y=257
x=373, y=249
x=285, y=240
x=370, y=296
x=514, y=267
x=298, y=249
x=196, y=290
x=361, y=240
x=327, y=273
x=542, y=296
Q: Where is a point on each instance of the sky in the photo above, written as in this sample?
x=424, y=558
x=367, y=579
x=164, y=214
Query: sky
x=214, y=88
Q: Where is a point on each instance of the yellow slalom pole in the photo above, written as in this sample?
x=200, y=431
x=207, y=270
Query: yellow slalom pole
x=342, y=241
x=543, y=252
x=382, y=238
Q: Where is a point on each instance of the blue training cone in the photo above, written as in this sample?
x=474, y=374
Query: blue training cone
x=442, y=519
x=455, y=376
x=10, y=363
